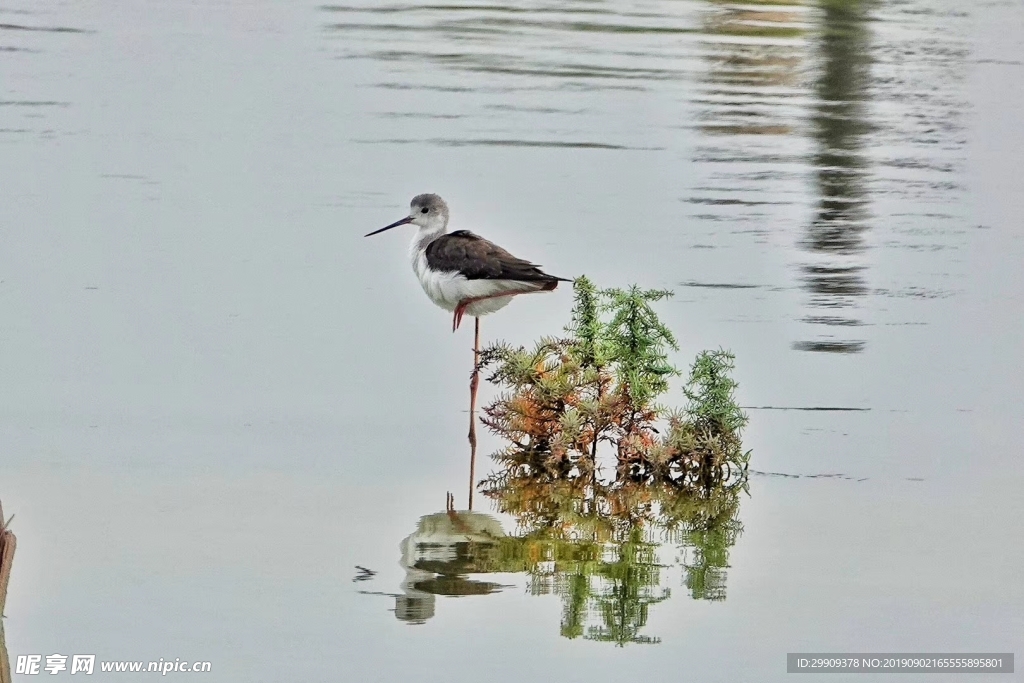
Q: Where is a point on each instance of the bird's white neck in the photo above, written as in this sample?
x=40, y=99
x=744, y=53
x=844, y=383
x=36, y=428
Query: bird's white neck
x=424, y=236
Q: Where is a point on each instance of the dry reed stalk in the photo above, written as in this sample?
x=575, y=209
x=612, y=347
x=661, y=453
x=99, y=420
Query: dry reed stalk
x=5, y=660
x=7, y=545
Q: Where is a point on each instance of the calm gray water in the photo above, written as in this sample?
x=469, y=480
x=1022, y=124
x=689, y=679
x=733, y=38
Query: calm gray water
x=219, y=398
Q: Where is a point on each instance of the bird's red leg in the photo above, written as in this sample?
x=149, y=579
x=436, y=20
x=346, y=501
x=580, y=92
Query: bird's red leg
x=460, y=311
x=474, y=382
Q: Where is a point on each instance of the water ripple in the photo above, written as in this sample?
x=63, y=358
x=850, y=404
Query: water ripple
x=836, y=127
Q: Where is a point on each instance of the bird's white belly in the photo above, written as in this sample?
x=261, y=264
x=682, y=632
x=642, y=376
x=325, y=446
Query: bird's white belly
x=447, y=290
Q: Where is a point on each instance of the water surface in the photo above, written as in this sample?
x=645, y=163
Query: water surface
x=219, y=398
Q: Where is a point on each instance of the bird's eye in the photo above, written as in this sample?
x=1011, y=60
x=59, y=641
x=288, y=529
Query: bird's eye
x=424, y=210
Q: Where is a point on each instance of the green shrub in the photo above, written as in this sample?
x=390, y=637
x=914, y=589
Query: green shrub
x=566, y=396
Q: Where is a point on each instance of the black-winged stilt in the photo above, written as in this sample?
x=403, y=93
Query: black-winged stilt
x=464, y=273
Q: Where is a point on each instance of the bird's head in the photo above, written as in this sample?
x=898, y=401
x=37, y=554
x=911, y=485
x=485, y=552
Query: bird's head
x=426, y=211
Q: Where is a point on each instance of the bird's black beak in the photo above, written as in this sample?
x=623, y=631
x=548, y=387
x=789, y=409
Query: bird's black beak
x=407, y=219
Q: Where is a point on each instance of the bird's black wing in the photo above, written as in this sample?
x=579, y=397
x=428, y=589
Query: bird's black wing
x=477, y=259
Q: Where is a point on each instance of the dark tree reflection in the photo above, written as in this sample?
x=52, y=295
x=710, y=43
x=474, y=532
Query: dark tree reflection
x=839, y=126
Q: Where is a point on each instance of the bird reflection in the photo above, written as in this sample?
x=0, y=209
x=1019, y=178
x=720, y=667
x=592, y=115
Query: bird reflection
x=438, y=557
x=601, y=548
